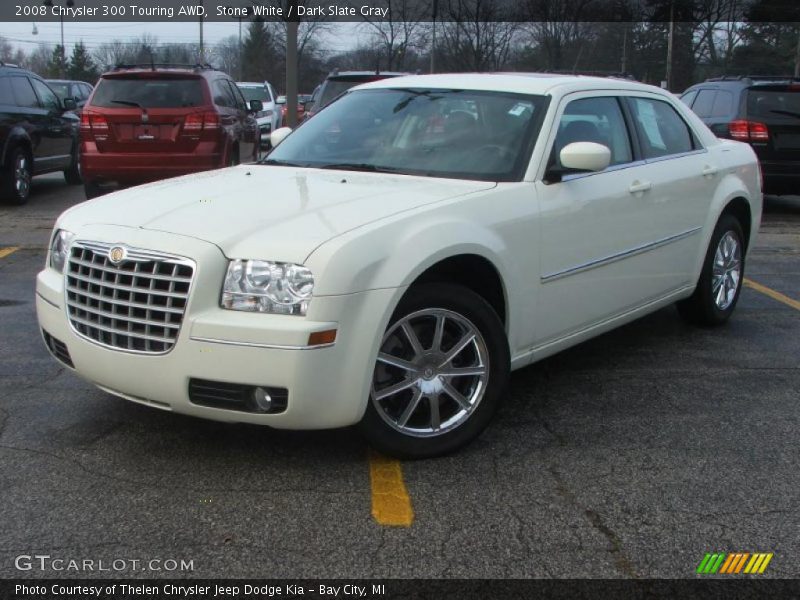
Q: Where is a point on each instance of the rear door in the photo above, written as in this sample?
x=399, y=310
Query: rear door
x=60, y=127
x=158, y=112
x=33, y=117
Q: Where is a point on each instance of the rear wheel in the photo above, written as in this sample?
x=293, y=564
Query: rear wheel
x=73, y=173
x=17, y=174
x=720, y=283
x=92, y=190
x=441, y=373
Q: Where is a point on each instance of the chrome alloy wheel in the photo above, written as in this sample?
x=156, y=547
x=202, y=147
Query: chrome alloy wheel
x=431, y=373
x=726, y=271
x=22, y=176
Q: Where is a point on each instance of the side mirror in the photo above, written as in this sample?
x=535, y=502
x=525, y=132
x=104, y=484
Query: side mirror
x=69, y=104
x=585, y=156
x=256, y=106
x=279, y=135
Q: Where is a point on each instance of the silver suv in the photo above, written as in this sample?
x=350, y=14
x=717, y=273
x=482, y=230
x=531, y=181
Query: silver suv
x=269, y=117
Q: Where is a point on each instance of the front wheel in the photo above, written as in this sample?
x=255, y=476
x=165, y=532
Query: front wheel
x=440, y=375
x=720, y=282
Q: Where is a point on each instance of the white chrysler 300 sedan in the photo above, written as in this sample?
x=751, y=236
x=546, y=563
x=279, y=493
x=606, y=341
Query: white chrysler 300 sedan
x=400, y=253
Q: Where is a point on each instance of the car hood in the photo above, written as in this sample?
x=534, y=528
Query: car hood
x=267, y=212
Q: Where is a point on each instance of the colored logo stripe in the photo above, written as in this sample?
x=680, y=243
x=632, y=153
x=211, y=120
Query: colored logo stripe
x=734, y=563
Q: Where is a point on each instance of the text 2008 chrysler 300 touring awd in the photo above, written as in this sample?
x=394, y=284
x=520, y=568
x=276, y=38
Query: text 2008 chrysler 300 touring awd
x=398, y=254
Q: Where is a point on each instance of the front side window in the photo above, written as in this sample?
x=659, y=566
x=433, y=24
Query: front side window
x=662, y=131
x=597, y=120
x=48, y=98
x=460, y=134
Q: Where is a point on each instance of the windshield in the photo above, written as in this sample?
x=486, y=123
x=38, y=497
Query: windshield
x=460, y=134
x=254, y=93
x=149, y=93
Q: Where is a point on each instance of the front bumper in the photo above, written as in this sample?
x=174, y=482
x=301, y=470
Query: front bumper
x=327, y=386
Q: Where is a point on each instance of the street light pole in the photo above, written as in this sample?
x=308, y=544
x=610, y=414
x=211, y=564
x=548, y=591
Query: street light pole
x=63, y=65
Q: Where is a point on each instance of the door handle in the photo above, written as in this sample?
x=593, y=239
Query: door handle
x=639, y=186
x=709, y=171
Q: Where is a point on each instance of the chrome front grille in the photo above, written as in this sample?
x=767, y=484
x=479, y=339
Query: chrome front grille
x=136, y=305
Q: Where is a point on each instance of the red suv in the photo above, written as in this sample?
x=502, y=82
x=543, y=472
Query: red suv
x=149, y=122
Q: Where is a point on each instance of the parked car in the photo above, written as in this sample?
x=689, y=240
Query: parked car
x=38, y=133
x=268, y=117
x=148, y=122
x=79, y=91
x=394, y=276
x=337, y=83
x=763, y=111
x=281, y=102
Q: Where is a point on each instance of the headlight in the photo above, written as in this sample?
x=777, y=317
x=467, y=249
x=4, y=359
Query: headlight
x=264, y=286
x=59, y=249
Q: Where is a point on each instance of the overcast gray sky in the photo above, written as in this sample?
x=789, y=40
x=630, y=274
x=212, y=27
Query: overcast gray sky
x=340, y=37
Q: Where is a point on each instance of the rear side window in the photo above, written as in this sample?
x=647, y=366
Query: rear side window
x=238, y=98
x=661, y=129
x=23, y=92
x=149, y=93
x=704, y=103
x=771, y=104
x=723, y=104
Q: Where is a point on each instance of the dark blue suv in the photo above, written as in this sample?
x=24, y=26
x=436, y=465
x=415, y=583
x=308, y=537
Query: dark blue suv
x=38, y=133
x=762, y=111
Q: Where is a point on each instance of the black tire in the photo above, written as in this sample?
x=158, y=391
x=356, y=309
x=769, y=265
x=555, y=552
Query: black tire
x=463, y=308
x=72, y=174
x=701, y=308
x=92, y=190
x=16, y=184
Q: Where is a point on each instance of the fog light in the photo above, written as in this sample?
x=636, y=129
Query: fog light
x=262, y=399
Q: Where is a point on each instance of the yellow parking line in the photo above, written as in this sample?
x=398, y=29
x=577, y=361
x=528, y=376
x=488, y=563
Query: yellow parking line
x=772, y=294
x=391, y=504
x=6, y=251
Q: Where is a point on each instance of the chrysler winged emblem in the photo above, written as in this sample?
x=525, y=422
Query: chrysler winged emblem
x=117, y=254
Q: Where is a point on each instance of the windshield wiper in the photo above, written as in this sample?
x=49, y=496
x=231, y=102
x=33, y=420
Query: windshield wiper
x=280, y=163
x=369, y=167
x=129, y=103
x=788, y=113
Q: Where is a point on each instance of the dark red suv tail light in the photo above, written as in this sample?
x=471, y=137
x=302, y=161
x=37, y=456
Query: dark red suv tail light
x=93, y=123
x=748, y=131
x=197, y=122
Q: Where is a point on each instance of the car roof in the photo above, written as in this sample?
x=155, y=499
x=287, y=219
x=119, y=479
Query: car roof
x=345, y=74
x=523, y=83
x=198, y=69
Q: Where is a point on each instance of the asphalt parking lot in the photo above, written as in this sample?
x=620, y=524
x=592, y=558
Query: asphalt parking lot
x=631, y=455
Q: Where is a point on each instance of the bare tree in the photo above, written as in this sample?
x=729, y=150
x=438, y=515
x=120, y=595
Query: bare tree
x=400, y=32
x=475, y=36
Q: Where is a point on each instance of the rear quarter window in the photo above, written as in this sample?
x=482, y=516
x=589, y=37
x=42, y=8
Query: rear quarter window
x=149, y=93
x=704, y=103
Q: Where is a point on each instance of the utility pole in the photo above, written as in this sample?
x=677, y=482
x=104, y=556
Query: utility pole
x=63, y=65
x=668, y=76
x=202, y=48
x=624, y=65
x=433, y=36
x=291, y=73
x=797, y=57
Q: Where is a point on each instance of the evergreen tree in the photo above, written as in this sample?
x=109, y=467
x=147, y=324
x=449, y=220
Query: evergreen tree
x=258, y=52
x=57, y=67
x=81, y=65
